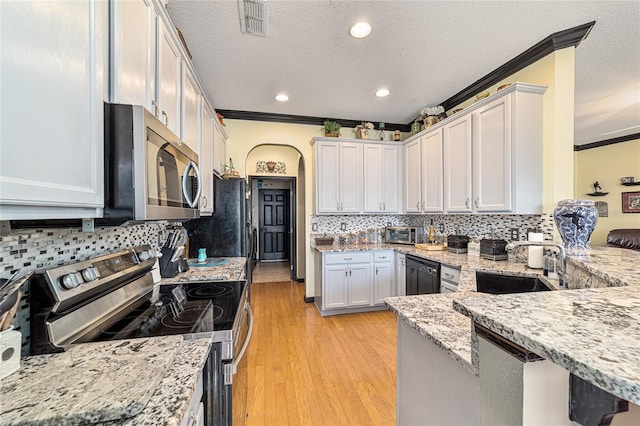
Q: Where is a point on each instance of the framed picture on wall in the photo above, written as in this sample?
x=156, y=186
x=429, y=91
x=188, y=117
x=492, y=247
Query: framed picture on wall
x=631, y=202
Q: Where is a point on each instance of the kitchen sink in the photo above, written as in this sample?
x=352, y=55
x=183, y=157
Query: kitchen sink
x=504, y=284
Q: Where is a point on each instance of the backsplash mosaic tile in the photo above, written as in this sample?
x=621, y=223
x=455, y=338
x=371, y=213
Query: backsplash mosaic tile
x=475, y=226
x=36, y=249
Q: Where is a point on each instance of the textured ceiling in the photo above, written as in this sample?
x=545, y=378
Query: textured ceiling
x=423, y=51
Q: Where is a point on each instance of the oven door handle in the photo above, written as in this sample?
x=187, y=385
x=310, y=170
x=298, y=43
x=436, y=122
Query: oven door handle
x=245, y=345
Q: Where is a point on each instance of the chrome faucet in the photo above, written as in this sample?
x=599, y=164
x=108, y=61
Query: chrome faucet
x=513, y=245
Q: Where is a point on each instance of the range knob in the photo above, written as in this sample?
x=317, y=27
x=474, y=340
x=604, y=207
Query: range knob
x=71, y=280
x=90, y=274
x=143, y=255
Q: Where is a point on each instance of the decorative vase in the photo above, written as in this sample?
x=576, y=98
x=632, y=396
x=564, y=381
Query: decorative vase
x=362, y=133
x=576, y=220
x=271, y=166
x=430, y=120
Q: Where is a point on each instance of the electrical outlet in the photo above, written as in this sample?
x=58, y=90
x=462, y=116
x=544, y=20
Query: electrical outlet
x=442, y=228
x=515, y=234
x=343, y=226
x=314, y=227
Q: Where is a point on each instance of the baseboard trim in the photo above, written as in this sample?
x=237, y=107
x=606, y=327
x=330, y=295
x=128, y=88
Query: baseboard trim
x=299, y=280
x=308, y=299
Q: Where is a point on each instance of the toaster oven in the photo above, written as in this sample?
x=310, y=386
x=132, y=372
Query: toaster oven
x=403, y=234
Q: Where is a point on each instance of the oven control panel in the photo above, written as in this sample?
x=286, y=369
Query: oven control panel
x=70, y=282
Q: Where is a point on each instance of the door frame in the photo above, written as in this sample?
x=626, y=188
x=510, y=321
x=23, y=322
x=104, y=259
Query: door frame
x=293, y=224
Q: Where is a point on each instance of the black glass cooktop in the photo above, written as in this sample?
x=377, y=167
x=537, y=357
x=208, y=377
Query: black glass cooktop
x=180, y=309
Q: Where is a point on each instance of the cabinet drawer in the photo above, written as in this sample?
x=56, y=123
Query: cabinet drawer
x=382, y=256
x=347, y=257
x=450, y=274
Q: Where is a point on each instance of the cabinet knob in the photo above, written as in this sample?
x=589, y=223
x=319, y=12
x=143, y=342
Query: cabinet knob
x=384, y=206
x=204, y=202
x=376, y=270
x=476, y=201
x=466, y=203
x=448, y=276
x=165, y=118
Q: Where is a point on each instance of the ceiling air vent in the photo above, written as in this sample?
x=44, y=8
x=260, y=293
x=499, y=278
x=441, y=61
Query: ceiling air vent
x=253, y=17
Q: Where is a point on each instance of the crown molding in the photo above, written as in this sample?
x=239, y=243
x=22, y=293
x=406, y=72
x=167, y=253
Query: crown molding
x=300, y=119
x=612, y=141
x=556, y=41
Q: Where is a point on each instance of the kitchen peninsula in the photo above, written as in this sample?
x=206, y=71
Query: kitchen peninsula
x=592, y=333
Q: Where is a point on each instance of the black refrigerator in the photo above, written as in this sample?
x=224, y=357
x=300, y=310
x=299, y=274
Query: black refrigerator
x=228, y=232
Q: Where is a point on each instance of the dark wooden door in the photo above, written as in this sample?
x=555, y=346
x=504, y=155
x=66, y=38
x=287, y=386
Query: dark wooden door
x=274, y=224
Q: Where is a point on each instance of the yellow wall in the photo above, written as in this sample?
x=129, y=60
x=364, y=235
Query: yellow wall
x=277, y=153
x=607, y=164
x=245, y=135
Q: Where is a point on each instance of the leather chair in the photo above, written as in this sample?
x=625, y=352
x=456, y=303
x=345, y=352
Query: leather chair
x=624, y=238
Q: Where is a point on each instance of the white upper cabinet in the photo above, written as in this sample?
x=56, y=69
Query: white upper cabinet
x=338, y=176
x=133, y=53
x=53, y=79
x=206, y=160
x=508, y=139
x=412, y=177
x=493, y=178
x=219, y=147
x=381, y=178
x=168, y=96
x=191, y=110
x=432, y=173
x=457, y=165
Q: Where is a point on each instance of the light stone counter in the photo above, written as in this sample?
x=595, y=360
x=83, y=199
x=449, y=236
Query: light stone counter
x=434, y=316
x=170, y=401
x=213, y=269
x=137, y=381
x=592, y=333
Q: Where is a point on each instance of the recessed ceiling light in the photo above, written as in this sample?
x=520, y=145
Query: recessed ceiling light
x=360, y=30
x=282, y=97
x=381, y=93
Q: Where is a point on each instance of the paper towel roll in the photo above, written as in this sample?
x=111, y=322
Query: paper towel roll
x=10, y=344
x=536, y=254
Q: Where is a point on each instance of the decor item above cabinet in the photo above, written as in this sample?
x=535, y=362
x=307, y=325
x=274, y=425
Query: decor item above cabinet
x=52, y=117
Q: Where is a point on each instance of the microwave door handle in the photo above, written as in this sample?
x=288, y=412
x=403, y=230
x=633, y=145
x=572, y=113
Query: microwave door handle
x=185, y=184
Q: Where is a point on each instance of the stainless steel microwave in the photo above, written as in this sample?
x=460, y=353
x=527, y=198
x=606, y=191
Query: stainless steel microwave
x=403, y=234
x=150, y=174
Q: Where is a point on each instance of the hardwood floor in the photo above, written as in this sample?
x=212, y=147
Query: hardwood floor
x=308, y=370
x=268, y=272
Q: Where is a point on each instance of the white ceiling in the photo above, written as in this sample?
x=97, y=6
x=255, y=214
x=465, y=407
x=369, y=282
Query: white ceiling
x=423, y=51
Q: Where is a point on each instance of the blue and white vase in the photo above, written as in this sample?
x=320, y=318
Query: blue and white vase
x=576, y=220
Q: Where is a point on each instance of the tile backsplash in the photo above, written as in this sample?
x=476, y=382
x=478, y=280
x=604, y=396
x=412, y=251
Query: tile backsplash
x=475, y=226
x=45, y=248
x=37, y=249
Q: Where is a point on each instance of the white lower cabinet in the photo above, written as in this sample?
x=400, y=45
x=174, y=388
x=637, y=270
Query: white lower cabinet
x=53, y=89
x=401, y=277
x=359, y=285
x=383, y=281
x=353, y=281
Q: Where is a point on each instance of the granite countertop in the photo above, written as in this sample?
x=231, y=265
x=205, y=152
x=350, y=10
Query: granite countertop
x=434, y=316
x=593, y=333
x=170, y=401
x=105, y=382
x=212, y=269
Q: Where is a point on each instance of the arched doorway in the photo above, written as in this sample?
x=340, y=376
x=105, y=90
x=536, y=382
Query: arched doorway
x=276, y=175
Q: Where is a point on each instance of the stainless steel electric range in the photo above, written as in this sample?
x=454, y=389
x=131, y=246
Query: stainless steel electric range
x=113, y=297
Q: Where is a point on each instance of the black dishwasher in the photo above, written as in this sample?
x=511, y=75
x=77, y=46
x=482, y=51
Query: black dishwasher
x=423, y=276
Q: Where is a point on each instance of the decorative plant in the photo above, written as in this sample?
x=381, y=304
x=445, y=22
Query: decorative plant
x=432, y=111
x=364, y=125
x=331, y=127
